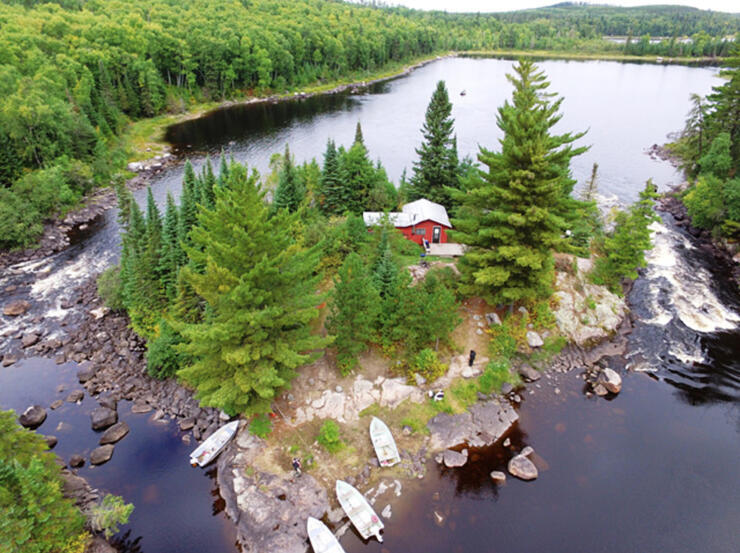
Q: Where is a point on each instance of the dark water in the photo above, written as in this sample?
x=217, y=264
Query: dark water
x=177, y=508
x=652, y=470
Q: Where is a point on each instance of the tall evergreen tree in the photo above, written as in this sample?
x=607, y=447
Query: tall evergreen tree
x=172, y=254
x=333, y=199
x=188, y=207
x=207, y=183
x=259, y=287
x=437, y=166
x=223, y=171
x=509, y=217
x=724, y=106
x=357, y=175
x=359, y=139
x=290, y=191
x=354, y=310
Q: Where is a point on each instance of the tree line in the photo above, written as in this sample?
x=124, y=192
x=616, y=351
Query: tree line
x=73, y=72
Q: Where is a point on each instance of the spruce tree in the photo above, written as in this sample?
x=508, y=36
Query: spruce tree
x=290, y=191
x=223, y=171
x=437, y=166
x=172, y=253
x=510, y=216
x=207, y=183
x=188, y=207
x=357, y=175
x=724, y=105
x=259, y=289
x=332, y=200
x=354, y=309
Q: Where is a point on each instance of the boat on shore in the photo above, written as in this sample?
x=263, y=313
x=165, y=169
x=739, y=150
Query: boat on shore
x=384, y=444
x=321, y=538
x=359, y=511
x=212, y=446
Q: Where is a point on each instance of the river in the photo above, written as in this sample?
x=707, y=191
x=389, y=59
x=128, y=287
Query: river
x=651, y=470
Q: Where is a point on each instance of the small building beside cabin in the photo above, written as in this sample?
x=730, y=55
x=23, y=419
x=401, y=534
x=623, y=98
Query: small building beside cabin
x=418, y=221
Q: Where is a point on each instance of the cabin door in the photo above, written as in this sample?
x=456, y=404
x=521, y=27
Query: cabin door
x=436, y=233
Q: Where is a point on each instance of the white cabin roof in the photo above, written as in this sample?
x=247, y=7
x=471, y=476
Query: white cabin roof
x=411, y=214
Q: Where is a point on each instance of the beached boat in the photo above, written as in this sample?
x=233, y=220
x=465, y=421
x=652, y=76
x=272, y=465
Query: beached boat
x=322, y=540
x=384, y=444
x=359, y=511
x=211, y=447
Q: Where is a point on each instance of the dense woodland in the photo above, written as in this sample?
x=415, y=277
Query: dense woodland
x=73, y=73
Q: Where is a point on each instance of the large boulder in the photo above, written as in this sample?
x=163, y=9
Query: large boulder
x=114, y=433
x=523, y=468
x=534, y=340
x=16, y=308
x=528, y=372
x=610, y=380
x=33, y=416
x=86, y=373
x=452, y=458
x=101, y=454
x=29, y=339
x=103, y=417
x=75, y=396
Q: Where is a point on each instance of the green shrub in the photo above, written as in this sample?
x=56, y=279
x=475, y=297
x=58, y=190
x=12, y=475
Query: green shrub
x=110, y=289
x=163, y=357
x=495, y=374
x=109, y=513
x=428, y=365
x=261, y=426
x=329, y=437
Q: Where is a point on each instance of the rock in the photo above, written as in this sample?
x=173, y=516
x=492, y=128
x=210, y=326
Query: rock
x=420, y=380
x=100, y=312
x=534, y=340
x=527, y=451
x=75, y=396
x=493, y=319
x=9, y=359
x=51, y=441
x=56, y=404
x=610, y=380
x=386, y=512
x=507, y=388
x=338, y=389
x=498, y=477
x=33, y=416
x=600, y=390
x=103, y=417
x=439, y=518
x=101, y=454
x=407, y=430
x=86, y=373
x=16, y=308
x=109, y=402
x=140, y=407
x=523, y=468
x=507, y=442
x=523, y=310
x=186, y=424
x=99, y=545
x=29, y=339
x=114, y=433
x=528, y=372
x=76, y=461
x=452, y=458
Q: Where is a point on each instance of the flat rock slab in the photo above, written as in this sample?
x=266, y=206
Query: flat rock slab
x=16, y=308
x=29, y=339
x=75, y=396
x=186, y=424
x=56, y=404
x=529, y=373
x=523, y=468
x=101, y=454
x=114, y=433
x=140, y=407
x=103, y=417
x=8, y=360
x=452, y=458
x=86, y=373
x=33, y=416
x=485, y=423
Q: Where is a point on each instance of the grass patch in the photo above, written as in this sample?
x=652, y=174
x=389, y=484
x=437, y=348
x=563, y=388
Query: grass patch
x=495, y=375
x=329, y=437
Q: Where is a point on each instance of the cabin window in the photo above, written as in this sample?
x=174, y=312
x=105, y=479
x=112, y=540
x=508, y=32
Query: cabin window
x=420, y=231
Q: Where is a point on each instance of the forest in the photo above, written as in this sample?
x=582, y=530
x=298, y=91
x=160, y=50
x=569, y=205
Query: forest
x=74, y=73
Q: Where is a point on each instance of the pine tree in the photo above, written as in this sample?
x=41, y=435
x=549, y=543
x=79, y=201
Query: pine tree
x=172, y=253
x=437, y=166
x=259, y=288
x=332, y=200
x=510, y=216
x=359, y=139
x=724, y=106
x=188, y=207
x=207, y=183
x=223, y=171
x=353, y=312
x=357, y=175
x=290, y=191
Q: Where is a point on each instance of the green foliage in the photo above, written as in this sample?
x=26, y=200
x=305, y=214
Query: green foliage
x=624, y=249
x=496, y=373
x=163, y=357
x=290, y=191
x=705, y=202
x=110, y=289
x=437, y=166
x=260, y=426
x=329, y=437
x=353, y=311
x=428, y=365
x=258, y=286
x=109, y=513
x=36, y=518
x=511, y=216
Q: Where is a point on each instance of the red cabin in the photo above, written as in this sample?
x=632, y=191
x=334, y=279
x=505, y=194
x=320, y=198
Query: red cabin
x=418, y=221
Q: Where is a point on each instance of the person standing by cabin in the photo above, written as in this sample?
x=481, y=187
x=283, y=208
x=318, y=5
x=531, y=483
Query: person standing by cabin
x=471, y=359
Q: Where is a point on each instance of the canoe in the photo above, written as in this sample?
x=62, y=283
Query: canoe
x=359, y=511
x=322, y=540
x=211, y=447
x=384, y=444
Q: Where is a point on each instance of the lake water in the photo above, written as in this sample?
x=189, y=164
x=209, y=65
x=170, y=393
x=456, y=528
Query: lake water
x=651, y=470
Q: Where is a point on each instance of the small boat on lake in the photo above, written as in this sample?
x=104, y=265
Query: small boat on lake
x=359, y=511
x=212, y=446
x=384, y=444
x=321, y=538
